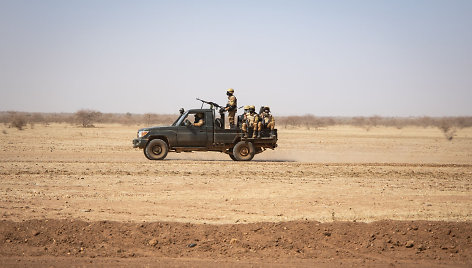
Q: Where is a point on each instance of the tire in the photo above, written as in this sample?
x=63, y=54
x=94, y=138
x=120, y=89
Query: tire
x=243, y=151
x=156, y=149
x=232, y=157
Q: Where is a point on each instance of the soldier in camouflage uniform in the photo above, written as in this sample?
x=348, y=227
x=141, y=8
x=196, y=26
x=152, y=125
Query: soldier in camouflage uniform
x=246, y=110
x=252, y=121
x=267, y=121
x=242, y=117
x=231, y=107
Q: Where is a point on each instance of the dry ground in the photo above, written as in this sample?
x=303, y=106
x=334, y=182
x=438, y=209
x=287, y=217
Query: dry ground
x=62, y=183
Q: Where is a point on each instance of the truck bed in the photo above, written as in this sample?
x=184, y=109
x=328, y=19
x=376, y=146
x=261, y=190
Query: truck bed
x=226, y=136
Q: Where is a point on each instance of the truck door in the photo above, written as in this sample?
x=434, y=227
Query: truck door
x=193, y=136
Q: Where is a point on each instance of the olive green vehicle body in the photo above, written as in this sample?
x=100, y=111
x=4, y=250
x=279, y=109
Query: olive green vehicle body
x=182, y=136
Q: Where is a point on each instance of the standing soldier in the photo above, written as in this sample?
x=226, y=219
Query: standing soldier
x=231, y=107
x=267, y=121
x=252, y=120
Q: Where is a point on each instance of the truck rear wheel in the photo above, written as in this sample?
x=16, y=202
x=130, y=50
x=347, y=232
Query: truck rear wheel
x=156, y=149
x=243, y=151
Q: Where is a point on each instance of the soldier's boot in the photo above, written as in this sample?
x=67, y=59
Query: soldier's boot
x=245, y=135
x=254, y=134
x=258, y=134
x=231, y=126
x=272, y=133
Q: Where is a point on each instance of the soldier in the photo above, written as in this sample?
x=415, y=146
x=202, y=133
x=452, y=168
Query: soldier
x=199, y=120
x=252, y=120
x=231, y=107
x=246, y=110
x=261, y=110
x=267, y=121
x=242, y=117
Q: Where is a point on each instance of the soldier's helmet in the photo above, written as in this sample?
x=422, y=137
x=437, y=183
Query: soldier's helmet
x=230, y=90
x=246, y=107
x=266, y=109
x=252, y=108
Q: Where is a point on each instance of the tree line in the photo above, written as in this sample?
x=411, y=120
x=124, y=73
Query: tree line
x=88, y=118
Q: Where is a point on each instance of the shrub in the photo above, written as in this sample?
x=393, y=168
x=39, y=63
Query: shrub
x=447, y=128
x=18, y=121
x=87, y=117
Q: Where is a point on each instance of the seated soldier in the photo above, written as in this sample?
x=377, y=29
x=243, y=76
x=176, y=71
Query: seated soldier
x=242, y=117
x=261, y=110
x=251, y=122
x=267, y=121
x=199, y=120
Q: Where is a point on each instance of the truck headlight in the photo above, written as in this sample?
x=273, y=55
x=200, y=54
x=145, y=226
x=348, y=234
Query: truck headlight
x=142, y=133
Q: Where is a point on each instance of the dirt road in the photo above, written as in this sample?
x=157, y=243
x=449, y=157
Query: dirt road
x=58, y=179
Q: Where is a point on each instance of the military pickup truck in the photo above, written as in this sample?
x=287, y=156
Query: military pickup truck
x=183, y=136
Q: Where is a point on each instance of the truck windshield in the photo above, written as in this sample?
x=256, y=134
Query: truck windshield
x=178, y=118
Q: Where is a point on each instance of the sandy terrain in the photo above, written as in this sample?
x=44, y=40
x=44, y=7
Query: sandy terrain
x=66, y=183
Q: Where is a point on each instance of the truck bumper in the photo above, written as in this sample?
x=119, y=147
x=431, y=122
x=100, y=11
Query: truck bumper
x=140, y=143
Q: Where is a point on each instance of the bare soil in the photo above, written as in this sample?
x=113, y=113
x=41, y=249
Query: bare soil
x=391, y=242
x=339, y=195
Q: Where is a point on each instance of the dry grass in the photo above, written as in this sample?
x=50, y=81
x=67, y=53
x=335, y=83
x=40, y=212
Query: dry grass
x=82, y=117
x=311, y=121
x=448, y=125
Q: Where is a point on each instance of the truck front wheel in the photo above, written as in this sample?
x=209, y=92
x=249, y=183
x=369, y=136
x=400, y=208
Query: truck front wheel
x=231, y=155
x=243, y=151
x=156, y=149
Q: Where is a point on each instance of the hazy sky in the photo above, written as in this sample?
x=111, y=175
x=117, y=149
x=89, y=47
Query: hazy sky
x=348, y=58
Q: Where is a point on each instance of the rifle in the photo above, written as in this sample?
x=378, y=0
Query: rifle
x=212, y=104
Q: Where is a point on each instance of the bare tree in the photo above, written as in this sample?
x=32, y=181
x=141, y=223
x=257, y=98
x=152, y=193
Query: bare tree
x=88, y=117
x=18, y=120
x=447, y=128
